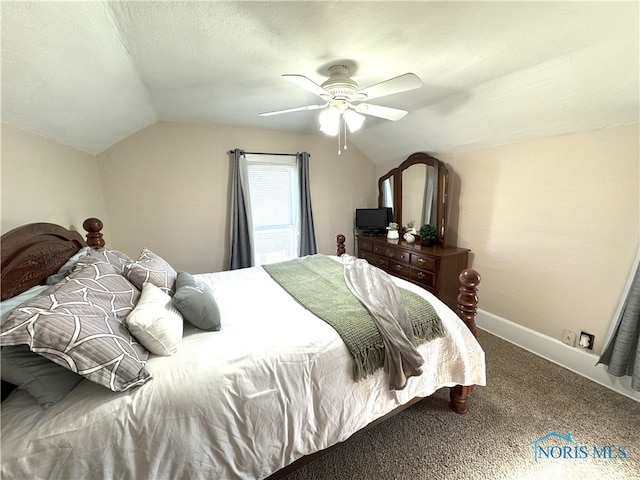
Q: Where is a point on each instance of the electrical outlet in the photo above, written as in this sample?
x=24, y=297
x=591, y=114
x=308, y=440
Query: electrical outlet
x=569, y=337
x=586, y=340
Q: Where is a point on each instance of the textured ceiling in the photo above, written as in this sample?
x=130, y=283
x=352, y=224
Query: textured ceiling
x=89, y=74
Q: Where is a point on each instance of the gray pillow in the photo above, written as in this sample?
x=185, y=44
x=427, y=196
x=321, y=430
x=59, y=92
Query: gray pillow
x=196, y=303
x=44, y=380
x=79, y=324
x=116, y=259
x=153, y=269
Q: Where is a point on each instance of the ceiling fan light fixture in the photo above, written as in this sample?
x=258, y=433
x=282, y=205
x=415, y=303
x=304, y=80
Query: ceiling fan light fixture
x=354, y=120
x=343, y=98
x=330, y=121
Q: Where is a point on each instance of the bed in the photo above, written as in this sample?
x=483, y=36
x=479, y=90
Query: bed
x=253, y=399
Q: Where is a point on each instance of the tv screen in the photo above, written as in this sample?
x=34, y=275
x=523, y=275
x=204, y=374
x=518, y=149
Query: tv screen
x=373, y=220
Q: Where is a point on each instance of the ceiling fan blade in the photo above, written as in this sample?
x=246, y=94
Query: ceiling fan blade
x=402, y=83
x=298, y=109
x=378, y=111
x=307, y=84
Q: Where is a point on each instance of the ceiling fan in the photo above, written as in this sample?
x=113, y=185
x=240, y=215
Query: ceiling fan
x=345, y=101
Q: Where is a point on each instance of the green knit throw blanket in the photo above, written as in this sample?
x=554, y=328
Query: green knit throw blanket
x=317, y=283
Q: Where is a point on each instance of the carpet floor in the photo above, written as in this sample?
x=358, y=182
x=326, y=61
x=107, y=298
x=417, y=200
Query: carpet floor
x=526, y=399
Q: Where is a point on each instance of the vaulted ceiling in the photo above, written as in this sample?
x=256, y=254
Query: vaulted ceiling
x=88, y=74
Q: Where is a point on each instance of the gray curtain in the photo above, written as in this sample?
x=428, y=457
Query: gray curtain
x=308, y=244
x=241, y=230
x=622, y=353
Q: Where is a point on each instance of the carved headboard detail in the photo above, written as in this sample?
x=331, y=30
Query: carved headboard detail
x=32, y=252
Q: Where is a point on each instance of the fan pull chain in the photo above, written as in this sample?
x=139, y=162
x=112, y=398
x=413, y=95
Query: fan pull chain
x=345, y=131
x=339, y=152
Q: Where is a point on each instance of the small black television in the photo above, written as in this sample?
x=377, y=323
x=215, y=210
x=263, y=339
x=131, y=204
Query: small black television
x=373, y=221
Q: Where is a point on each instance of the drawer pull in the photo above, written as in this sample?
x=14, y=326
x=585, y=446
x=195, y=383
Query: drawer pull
x=381, y=261
x=398, y=267
x=420, y=275
x=422, y=261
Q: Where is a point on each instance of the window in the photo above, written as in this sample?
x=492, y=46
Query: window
x=274, y=194
x=271, y=216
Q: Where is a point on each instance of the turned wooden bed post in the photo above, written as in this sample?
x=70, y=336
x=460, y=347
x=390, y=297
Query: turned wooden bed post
x=467, y=309
x=94, y=236
x=468, y=298
x=340, y=250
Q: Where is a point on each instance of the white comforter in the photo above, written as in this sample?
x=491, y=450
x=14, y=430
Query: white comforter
x=273, y=385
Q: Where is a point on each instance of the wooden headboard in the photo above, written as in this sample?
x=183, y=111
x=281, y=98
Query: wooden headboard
x=33, y=252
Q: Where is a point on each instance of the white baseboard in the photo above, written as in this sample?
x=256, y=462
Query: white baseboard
x=572, y=358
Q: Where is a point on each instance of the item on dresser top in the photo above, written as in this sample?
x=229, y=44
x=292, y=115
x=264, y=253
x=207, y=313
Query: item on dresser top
x=428, y=235
x=392, y=231
x=373, y=221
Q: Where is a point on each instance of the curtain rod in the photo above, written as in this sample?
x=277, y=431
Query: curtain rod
x=263, y=153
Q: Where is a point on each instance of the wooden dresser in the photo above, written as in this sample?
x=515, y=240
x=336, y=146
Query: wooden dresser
x=433, y=268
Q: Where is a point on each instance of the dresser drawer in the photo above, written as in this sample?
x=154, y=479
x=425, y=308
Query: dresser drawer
x=365, y=245
x=391, y=253
x=375, y=260
x=424, y=262
x=423, y=277
x=399, y=269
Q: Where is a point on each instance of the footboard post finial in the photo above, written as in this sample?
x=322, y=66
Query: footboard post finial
x=94, y=236
x=340, y=249
x=468, y=298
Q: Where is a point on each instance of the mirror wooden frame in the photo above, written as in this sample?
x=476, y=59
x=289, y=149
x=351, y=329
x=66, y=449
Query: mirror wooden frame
x=442, y=176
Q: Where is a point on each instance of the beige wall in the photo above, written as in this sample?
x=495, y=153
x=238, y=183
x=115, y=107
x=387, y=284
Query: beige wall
x=167, y=188
x=44, y=181
x=553, y=226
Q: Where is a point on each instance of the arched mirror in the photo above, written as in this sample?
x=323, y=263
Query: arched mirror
x=418, y=190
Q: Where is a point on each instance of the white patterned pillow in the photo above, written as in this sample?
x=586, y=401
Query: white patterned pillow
x=153, y=269
x=80, y=324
